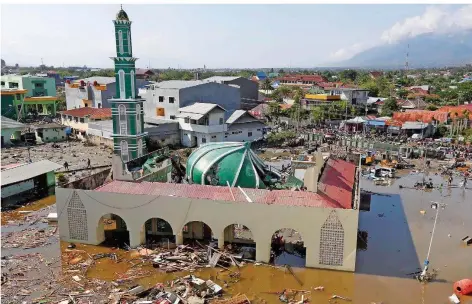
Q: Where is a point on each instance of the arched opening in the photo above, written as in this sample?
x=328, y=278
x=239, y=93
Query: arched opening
x=130, y=51
x=120, y=42
x=124, y=151
x=158, y=233
x=121, y=79
x=197, y=231
x=287, y=248
x=114, y=229
x=132, y=79
x=240, y=241
x=122, y=119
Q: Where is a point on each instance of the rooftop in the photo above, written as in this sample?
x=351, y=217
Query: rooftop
x=337, y=182
x=50, y=126
x=218, y=193
x=94, y=113
x=27, y=171
x=200, y=108
x=221, y=78
x=98, y=79
x=8, y=123
x=179, y=84
x=420, y=115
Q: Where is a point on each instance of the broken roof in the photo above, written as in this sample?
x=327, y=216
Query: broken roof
x=27, y=171
x=218, y=193
x=8, y=123
x=95, y=113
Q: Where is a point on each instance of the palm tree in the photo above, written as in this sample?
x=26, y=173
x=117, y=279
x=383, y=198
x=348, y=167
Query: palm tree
x=266, y=85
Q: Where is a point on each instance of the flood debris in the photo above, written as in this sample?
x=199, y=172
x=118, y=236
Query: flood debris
x=467, y=240
x=29, y=238
x=454, y=299
x=340, y=297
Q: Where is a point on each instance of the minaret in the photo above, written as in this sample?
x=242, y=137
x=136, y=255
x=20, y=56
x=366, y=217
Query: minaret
x=127, y=107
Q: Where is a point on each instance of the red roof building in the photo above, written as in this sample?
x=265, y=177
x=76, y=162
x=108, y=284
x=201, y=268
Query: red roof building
x=421, y=115
x=302, y=80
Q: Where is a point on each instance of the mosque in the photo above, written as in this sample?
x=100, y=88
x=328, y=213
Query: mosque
x=223, y=185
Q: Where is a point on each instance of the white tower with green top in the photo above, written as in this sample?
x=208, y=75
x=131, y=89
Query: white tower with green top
x=127, y=106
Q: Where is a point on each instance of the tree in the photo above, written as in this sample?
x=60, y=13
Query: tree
x=441, y=130
x=402, y=93
x=317, y=114
x=390, y=105
x=349, y=75
x=274, y=111
x=266, y=85
x=431, y=107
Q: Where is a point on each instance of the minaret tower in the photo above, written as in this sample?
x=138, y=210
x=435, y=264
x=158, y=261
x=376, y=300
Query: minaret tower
x=127, y=107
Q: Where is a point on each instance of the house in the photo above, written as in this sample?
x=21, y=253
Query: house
x=375, y=74
x=79, y=119
x=144, y=73
x=51, y=132
x=93, y=92
x=260, y=76
x=201, y=123
x=353, y=96
x=248, y=89
x=422, y=116
x=37, y=95
x=301, y=80
x=11, y=130
x=422, y=129
x=164, y=99
x=243, y=126
x=422, y=88
x=313, y=100
x=37, y=177
x=260, y=111
x=416, y=104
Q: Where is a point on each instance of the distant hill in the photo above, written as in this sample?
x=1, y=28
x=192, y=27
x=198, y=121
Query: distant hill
x=427, y=50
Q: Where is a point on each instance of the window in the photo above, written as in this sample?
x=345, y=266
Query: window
x=161, y=98
x=82, y=120
x=171, y=99
x=17, y=96
x=129, y=43
x=187, y=120
x=46, y=138
x=140, y=147
x=214, y=136
x=172, y=117
x=204, y=140
x=3, y=83
x=76, y=119
x=226, y=133
x=13, y=85
x=99, y=105
x=258, y=129
x=121, y=76
x=120, y=42
x=138, y=118
x=122, y=120
x=132, y=84
x=124, y=151
x=86, y=105
x=62, y=137
x=249, y=134
x=70, y=117
x=39, y=85
x=221, y=121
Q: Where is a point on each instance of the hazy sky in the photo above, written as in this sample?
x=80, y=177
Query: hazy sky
x=190, y=36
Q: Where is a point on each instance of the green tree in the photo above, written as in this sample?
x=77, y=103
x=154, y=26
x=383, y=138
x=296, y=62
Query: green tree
x=402, y=93
x=317, y=114
x=431, y=107
x=266, y=84
x=274, y=111
x=372, y=87
x=348, y=75
x=390, y=105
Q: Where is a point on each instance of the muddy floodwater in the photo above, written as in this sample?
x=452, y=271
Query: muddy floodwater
x=396, y=231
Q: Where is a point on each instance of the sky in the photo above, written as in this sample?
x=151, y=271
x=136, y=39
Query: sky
x=218, y=36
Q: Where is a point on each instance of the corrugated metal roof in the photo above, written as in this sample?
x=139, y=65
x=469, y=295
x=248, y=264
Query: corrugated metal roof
x=189, y=115
x=27, y=171
x=200, y=108
x=414, y=125
x=235, y=116
x=95, y=113
x=218, y=193
x=221, y=79
x=179, y=84
x=8, y=123
x=337, y=182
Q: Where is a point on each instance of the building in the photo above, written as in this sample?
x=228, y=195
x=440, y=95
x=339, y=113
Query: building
x=301, y=80
x=248, y=89
x=422, y=129
x=51, y=132
x=326, y=218
x=93, y=92
x=37, y=177
x=144, y=73
x=164, y=99
x=313, y=100
x=353, y=96
x=11, y=130
x=37, y=95
x=11, y=102
x=201, y=123
x=375, y=74
x=78, y=119
x=243, y=126
x=416, y=104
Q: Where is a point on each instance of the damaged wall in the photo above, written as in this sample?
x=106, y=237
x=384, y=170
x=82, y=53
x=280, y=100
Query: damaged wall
x=90, y=182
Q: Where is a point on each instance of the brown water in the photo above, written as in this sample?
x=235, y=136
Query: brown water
x=15, y=215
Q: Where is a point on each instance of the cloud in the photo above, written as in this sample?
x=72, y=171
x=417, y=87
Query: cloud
x=436, y=19
x=348, y=52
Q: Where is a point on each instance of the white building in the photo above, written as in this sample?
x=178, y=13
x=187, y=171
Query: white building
x=78, y=119
x=353, y=96
x=243, y=126
x=164, y=99
x=201, y=123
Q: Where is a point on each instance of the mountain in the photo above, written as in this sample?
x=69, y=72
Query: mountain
x=427, y=50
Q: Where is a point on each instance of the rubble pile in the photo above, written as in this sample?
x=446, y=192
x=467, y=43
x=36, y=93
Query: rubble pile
x=29, y=238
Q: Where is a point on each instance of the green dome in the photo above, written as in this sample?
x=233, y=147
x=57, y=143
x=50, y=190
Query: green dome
x=122, y=15
x=233, y=162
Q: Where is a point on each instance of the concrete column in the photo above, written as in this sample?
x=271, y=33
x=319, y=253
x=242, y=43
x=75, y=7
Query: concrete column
x=312, y=255
x=179, y=238
x=221, y=240
x=154, y=225
x=54, y=108
x=136, y=236
x=263, y=251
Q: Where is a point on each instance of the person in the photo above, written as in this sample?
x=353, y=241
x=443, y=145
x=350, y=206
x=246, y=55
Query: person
x=66, y=166
x=450, y=180
x=466, y=175
x=88, y=162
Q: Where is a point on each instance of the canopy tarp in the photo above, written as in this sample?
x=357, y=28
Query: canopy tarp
x=356, y=120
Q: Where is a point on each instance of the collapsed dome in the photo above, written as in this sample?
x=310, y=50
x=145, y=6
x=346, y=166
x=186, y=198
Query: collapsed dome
x=228, y=162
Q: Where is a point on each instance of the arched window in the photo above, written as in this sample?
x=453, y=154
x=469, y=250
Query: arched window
x=120, y=42
x=140, y=147
x=121, y=77
x=124, y=151
x=133, y=93
x=138, y=118
x=129, y=43
x=122, y=119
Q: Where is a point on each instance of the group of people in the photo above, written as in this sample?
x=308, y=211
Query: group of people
x=66, y=165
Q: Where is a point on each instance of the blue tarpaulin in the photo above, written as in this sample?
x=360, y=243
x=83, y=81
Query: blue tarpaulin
x=376, y=123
